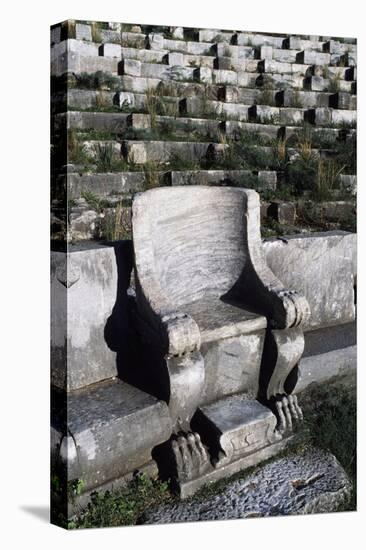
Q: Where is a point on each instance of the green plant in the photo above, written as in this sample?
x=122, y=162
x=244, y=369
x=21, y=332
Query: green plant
x=75, y=148
x=74, y=489
x=116, y=224
x=151, y=175
x=93, y=200
x=328, y=171
x=122, y=506
x=104, y=156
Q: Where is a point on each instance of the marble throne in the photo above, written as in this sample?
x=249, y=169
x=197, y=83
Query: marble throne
x=221, y=337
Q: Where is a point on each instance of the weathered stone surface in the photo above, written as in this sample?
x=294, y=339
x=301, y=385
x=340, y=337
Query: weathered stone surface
x=130, y=67
x=283, y=212
x=111, y=50
x=139, y=121
x=112, y=429
x=104, y=185
x=83, y=32
x=322, y=267
x=325, y=366
x=79, y=352
x=308, y=483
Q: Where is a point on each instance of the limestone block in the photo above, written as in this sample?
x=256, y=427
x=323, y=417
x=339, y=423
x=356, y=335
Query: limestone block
x=266, y=52
x=317, y=83
x=283, y=212
x=198, y=48
x=235, y=111
x=114, y=122
x=79, y=47
x=175, y=58
x=244, y=39
x=224, y=77
x=138, y=85
x=310, y=57
x=291, y=116
x=271, y=66
x=154, y=71
x=139, y=121
x=136, y=28
x=340, y=100
x=323, y=367
x=323, y=268
x=223, y=63
x=264, y=113
x=118, y=418
x=108, y=35
x=156, y=41
x=214, y=35
x=111, y=50
x=83, y=224
x=245, y=79
x=132, y=39
x=321, y=116
x=145, y=56
x=284, y=56
x=136, y=152
x=203, y=74
x=177, y=33
x=340, y=116
x=85, y=277
x=104, y=185
x=131, y=67
x=83, y=32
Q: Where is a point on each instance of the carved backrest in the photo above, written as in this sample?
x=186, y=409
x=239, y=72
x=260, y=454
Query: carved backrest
x=190, y=242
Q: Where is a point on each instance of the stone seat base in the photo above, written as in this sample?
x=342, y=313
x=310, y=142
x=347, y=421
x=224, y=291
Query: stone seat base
x=217, y=319
x=112, y=428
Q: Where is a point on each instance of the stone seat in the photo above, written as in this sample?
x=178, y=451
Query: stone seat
x=112, y=428
x=218, y=319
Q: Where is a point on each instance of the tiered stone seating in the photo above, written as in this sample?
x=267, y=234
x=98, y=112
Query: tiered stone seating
x=174, y=100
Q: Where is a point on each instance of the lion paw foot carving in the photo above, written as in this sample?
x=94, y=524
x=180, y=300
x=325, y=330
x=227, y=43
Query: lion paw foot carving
x=287, y=410
x=191, y=457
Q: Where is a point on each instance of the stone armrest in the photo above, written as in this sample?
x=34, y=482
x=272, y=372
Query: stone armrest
x=180, y=333
x=289, y=309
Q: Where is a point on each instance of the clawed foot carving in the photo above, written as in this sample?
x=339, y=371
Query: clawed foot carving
x=287, y=410
x=190, y=455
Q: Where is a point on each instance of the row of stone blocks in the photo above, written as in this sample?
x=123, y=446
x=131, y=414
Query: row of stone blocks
x=242, y=74
x=141, y=152
x=219, y=56
x=113, y=427
x=135, y=101
x=157, y=41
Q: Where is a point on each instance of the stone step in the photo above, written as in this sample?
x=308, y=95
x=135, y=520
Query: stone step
x=276, y=115
x=104, y=185
x=249, y=39
x=141, y=152
x=113, y=122
x=264, y=180
x=326, y=116
x=113, y=186
x=320, y=84
x=73, y=62
x=195, y=106
x=277, y=67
